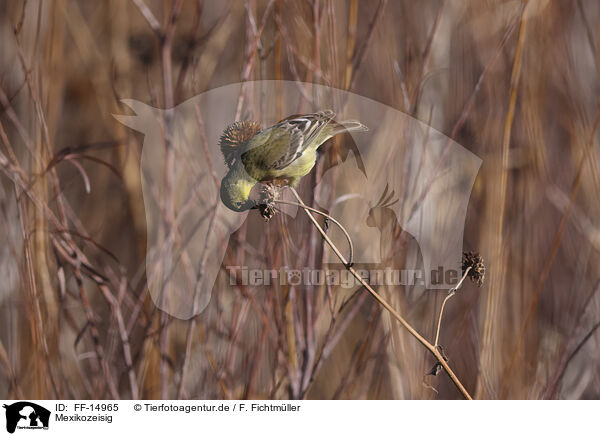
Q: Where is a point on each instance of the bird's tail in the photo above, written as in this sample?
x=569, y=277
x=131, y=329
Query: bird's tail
x=335, y=128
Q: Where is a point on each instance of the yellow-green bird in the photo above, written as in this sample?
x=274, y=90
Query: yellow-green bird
x=284, y=152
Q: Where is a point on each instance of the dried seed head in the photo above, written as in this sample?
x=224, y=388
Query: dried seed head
x=475, y=261
x=268, y=195
x=234, y=136
x=267, y=211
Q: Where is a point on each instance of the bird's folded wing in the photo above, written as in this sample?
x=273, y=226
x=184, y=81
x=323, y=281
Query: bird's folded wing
x=273, y=149
x=280, y=145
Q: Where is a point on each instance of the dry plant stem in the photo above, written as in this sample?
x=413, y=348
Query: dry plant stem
x=466, y=110
x=432, y=349
x=192, y=322
x=500, y=251
x=165, y=36
x=545, y=273
x=571, y=348
x=360, y=54
x=451, y=293
x=330, y=218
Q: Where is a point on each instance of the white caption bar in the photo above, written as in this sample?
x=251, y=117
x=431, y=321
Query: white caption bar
x=298, y=417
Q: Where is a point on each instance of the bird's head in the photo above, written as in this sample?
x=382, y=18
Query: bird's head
x=235, y=192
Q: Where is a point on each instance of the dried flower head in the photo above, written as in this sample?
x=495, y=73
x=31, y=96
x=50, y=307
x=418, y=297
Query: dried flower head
x=268, y=194
x=267, y=211
x=234, y=136
x=475, y=261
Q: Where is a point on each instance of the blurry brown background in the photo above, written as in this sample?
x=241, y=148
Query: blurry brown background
x=516, y=83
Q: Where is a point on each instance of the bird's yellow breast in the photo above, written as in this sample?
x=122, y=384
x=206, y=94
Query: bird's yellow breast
x=297, y=169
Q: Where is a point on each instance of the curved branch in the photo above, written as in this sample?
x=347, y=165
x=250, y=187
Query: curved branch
x=329, y=218
x=432, y=349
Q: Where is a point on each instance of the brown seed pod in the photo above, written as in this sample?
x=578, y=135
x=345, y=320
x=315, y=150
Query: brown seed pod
x=234, y=136
x=475, y=261
x=268, y=195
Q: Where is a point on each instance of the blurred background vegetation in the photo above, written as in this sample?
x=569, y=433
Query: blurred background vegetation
x=517, y=83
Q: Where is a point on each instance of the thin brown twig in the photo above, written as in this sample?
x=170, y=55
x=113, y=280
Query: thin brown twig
x=360, y=54
x=571, y=348
x=570, y=357
x=451, y=293
x=70, y=253
x=328, y=218
x=148, y=15
x=587, y=155
x=464, y=113
x=331, y=340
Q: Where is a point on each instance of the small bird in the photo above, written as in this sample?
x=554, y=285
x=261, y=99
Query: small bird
x=282, y=153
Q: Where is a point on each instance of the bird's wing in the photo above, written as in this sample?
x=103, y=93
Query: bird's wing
x=280, y=145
